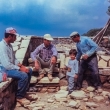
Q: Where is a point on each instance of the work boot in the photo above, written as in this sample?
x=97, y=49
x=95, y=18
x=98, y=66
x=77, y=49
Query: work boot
x=50, y=77
x=40, y=77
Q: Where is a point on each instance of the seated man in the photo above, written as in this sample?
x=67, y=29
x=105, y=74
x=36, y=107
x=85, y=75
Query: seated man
x=10, y=65
x=45, y=56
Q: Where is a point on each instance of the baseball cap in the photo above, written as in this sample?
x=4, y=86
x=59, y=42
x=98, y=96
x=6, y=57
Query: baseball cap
x=48, y=37
x=11, y=30
x=73, y=34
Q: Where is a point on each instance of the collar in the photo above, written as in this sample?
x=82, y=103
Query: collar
x=46, y=47
x=5, y=42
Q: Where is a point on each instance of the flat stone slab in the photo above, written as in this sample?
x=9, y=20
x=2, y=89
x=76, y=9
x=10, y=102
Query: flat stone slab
x=4, y=85
x=45, y=80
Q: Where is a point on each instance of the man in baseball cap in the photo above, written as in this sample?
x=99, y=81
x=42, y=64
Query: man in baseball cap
x=46, y=57
x=86, y=49
x=13, y=67
x=11, y=30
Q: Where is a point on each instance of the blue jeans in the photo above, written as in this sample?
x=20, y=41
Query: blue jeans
x=22, y=78
x=91, y=64
x=70, y=83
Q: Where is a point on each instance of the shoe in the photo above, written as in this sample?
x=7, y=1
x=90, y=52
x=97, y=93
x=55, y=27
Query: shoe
x=31, y=96
x=40, y=77
x=23, y=101
x=50, y=77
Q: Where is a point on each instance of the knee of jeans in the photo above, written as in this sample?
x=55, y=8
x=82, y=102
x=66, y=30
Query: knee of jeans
x=24, y=77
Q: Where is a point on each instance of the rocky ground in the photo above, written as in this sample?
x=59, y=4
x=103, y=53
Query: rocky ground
x=86, y=99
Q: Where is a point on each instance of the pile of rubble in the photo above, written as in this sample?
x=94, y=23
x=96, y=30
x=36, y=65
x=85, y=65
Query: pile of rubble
x=84, y=99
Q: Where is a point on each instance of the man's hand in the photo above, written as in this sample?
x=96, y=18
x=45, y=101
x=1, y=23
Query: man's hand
x=24, y=69
x=75, y=76
x=85, y=56
x=53, y=60
x=37, y=65
x=19, y=64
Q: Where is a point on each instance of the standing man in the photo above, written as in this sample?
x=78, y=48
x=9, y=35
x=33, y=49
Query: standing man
x=45, y=56
x=12, y=67
x=87, y=50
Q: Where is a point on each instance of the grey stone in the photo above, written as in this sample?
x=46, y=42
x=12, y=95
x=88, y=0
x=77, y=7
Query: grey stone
x=91, y=104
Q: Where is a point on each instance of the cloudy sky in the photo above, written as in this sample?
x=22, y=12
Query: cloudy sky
x=57, y=17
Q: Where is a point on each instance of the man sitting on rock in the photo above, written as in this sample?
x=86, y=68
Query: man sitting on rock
x=11, y=66
x=45, y=57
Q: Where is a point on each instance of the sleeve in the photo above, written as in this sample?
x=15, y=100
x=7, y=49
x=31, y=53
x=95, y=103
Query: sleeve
x=35, y=52
x=16, y=61
x=78, y=56
x=54, y=50
x=5, y=61
x=76, y=67
x=93, y=46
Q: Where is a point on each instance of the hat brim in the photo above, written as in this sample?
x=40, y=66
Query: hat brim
x=50, y=39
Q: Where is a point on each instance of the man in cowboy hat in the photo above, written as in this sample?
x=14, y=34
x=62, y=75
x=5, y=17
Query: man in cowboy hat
x=46, y=57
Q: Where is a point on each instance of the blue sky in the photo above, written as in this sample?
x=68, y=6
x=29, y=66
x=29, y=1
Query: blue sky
x=56, y=17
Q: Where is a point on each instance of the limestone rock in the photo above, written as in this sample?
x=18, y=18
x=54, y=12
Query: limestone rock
x=78, y=95
x=61, y=94
x=15, y=48
x=46, y=80
x=102, y=63
x=105, y=93
x=15, y=44
x=73, y=104
x=62, y=58
x=21, y=53
x=63, y=88
x=50, y=101
x=24, y=43
x=106, y=58
x=91, y=89
x=18, y=39
x=61, y=99
x=98, y=99
x=91, y=104
x=33, y=79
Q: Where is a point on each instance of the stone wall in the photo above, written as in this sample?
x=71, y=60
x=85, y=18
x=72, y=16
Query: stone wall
x=7, y=94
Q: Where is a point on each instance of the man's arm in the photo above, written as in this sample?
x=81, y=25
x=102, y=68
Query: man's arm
x=93, y=46
x=5, y=61
x=35, y=52
x=78, y=56
x=54, y=56
x=54, y=50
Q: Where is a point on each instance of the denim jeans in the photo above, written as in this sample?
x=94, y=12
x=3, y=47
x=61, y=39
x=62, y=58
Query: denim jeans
x=92, y=65
x=22, y=78
x=70, y=83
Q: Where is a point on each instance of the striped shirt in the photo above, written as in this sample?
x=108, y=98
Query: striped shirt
x=7, y=56
x=45, y=53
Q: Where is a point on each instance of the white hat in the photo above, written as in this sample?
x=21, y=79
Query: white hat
x=73, y=34
x=11, y=30
x=48, y=37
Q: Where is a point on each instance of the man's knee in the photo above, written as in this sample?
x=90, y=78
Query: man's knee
x=24, y=76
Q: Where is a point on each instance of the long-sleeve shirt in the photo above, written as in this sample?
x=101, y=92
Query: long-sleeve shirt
x=7, y=56
x=86, y=46
x=45, y=53
x=73, y=64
